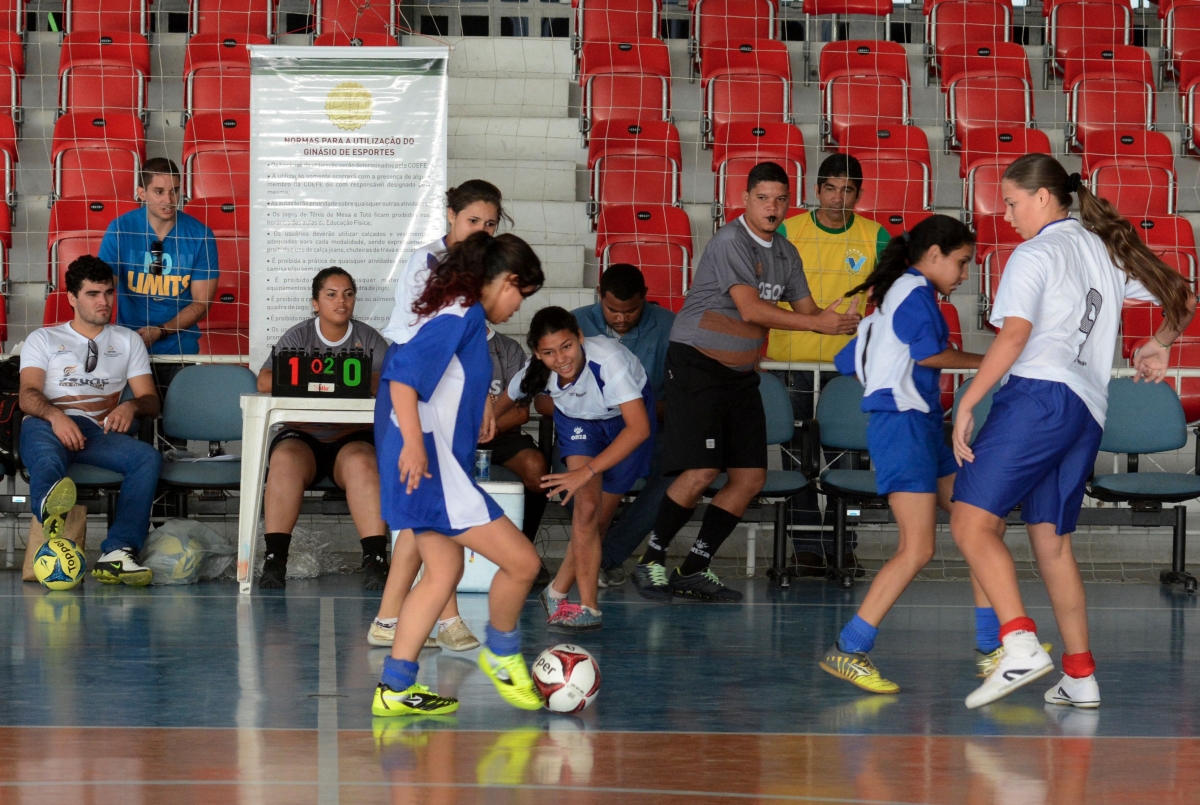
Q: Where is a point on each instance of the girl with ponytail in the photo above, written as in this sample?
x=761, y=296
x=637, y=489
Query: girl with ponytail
x=428, y=417
x=604, y=419
x=1057, y=311
x=898, y=356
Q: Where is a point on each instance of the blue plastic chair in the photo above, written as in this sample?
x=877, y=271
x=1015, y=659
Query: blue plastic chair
x=204, y=404
x=1146, y=418
x=780, y=485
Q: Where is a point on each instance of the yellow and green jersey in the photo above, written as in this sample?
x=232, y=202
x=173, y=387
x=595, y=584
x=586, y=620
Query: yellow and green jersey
x=835, y=260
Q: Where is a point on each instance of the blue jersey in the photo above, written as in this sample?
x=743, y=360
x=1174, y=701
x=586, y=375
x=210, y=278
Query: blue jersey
x=908, y=327
x=448, y=364
x=145, y=299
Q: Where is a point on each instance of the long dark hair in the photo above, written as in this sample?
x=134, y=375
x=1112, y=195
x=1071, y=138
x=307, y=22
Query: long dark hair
x=475, y=262
x=547, y=321
x=1127, y=251
x=907, y=250
x=467, y=193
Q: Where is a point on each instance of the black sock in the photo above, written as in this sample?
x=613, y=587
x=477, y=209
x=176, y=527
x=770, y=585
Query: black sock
x=718, y=524
x=374, y=546
x=277, y=546
x=535, y=507
x=671, y=518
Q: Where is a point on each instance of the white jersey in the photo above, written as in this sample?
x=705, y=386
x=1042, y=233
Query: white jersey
x=1063, y=281
x=611, y=375
x=403, y=324
x=62, y=354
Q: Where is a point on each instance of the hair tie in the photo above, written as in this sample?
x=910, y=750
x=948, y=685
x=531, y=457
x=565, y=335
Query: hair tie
x=1074, y=181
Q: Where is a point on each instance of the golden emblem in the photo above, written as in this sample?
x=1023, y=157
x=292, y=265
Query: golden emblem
x=348, y=106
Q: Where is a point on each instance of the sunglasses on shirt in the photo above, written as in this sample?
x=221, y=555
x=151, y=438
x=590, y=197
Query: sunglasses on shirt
x=93, y=356
x=156, y=257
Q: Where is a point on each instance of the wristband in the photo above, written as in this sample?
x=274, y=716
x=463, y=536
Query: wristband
x=1160, y=343
x=589, y=466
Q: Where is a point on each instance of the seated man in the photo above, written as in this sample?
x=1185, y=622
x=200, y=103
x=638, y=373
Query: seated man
x=72, y=378
x=644, y=329
x=511, y=448
x=301, y=455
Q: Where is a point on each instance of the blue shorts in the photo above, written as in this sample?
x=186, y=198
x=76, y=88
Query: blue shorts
x=590, y=437
x=1037, y=449
x=909, y=451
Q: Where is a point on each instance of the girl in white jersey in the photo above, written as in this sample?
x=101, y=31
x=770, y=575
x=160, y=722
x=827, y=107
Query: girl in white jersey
x=474, y=206
x=1057, y=311
x=604, y=421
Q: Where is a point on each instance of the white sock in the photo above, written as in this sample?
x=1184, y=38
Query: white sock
x=387, y=623
x=553, y=594
x=595, y=612
x=446, y=623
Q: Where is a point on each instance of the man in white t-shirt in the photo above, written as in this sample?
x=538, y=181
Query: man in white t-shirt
x=72, y=380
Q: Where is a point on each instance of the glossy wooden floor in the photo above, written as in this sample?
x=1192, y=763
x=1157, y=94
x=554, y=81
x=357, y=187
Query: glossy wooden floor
x=193, y=695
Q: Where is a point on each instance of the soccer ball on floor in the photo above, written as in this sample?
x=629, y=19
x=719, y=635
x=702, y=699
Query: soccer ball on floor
x=567, y=677
x=59, y=564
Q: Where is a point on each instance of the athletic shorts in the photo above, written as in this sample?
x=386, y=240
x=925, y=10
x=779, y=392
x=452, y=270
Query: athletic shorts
x=909, y=451
x=590, y=437
x=505, y=446
x=1037, y=449
x=715, y=417
x=325, y=453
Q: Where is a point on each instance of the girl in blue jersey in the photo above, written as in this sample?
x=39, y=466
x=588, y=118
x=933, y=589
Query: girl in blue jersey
x=427, y=423
x=604, y=418
x=898, y=355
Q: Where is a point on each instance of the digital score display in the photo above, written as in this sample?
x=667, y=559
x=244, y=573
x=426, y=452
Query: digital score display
x=321, y=374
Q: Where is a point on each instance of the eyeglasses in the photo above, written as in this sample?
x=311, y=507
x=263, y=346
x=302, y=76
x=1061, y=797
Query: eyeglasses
x=156, y=257
x=93, y=356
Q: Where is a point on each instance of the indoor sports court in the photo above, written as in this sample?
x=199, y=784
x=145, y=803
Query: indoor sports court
x=297, y=135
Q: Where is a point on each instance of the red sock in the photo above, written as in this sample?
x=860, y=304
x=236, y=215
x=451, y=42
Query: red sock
x=1077, y=666
x=1017, y=625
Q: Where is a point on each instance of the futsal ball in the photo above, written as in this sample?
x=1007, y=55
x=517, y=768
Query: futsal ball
x=59, y=564
x=567, y=677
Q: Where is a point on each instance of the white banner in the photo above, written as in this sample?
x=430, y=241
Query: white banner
x=347, y=168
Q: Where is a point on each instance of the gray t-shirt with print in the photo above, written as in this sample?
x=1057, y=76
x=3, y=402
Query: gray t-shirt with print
x=507, y=360
x=304, y=336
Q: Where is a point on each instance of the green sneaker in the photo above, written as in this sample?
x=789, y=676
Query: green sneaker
x=55, y=505
x=511, y=677
x=415, y=700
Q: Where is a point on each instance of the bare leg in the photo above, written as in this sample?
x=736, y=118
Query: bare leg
x=293, y=467
x=503, y=543
x=566, y=571
x=980, y=536
x=744, y=485
x=946, y=504
x=406, y=562
x=916, y=516
x=443, y=559
x=1061, y=574
x=356, y=472
x=582, y=563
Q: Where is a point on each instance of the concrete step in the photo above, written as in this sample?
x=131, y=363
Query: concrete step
x=532, y=180
x=569, y=298
x=537, y=138
x=509, y=97
x=503, y=57
x=552, y=223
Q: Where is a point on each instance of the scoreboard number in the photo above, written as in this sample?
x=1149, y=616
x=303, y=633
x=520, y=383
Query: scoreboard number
x=321, y=374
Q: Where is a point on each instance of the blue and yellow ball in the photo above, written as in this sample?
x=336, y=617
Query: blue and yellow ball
x=59, y=564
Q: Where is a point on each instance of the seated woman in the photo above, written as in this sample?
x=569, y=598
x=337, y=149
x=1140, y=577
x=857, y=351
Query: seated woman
x=302, y=455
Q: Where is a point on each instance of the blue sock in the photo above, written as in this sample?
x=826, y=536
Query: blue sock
x=858, y=636
x=502, y=644
x=398, y=674
x=987, y=630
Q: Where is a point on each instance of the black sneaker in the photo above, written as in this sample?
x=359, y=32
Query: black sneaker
x=274, y=573
x=651, y=582
x=703, y=586
x=375, y=572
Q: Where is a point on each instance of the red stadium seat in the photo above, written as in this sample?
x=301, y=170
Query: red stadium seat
x=230, y=222
x=862, y=82
x=76, y=228
x=1172, y=239
x=12, y=17
x=949, y=380
x=1133, y=169
x=12, y=70
x=1110, y=88
x=236, y=18
x=107, y=16
x=995, y=240
x=986, y=86
x=216, y=156
x=745, y=82
x=634, y=163
x=354, y=17
x=1181, y=33
x=985, y=154
x=738, y=147
x=58, y=309
x=897, y=170
x=216, y=74
x=339, y=39
x=897, y=222
x=614, y=21
x=957, y=23
x=1141, y=320
x=656, y=239
x=838, y=9
x=1073, y=24
x=97, y=157
x=717, y=22
x=103, y=73
x=625, y=80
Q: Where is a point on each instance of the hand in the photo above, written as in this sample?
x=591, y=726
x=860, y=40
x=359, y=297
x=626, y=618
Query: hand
x=964, y=426
x=1150, y=361
x=150, y=335
x=120, y=419
x=414, y=465
x=569, y=482
x=488, y=431
x=830, y=322
x=68, y=432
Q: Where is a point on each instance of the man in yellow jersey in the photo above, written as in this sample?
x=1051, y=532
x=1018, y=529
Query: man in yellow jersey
x=838, y=250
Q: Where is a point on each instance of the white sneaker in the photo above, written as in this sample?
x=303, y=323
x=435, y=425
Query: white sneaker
x=457, y=637
x=380, y=635
x=1075, y=692
x=121, y=567
x=1024, y=660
